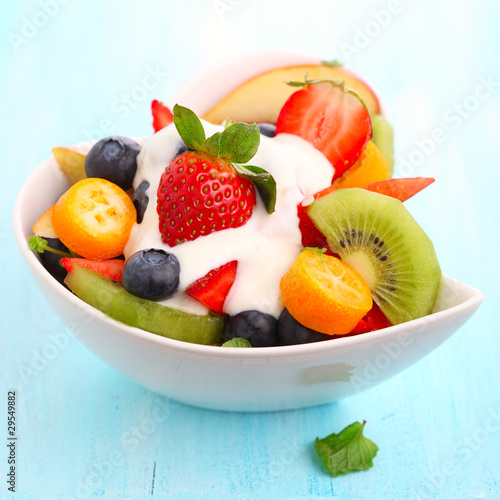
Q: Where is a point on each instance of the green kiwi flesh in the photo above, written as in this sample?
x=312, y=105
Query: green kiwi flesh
x=112, y=299
x=383, y=137
x=378, y=237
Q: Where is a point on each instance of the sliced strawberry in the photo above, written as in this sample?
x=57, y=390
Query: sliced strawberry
x=373, y=320
x=401, y=189
x=212, y=289
x=311, y=236
x=376, y=318
x=111, y=268
x=362, y=327
x=162, y=116
x=330, y=117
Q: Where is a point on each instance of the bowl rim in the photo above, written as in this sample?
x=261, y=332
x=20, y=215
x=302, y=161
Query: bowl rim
x=241, y=68
x=237, y=69
x=315, y=349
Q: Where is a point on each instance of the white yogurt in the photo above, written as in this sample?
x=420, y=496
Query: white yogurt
x=265, y=247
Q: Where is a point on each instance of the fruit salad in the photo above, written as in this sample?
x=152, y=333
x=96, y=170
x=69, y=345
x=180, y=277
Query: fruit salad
x=271, y=220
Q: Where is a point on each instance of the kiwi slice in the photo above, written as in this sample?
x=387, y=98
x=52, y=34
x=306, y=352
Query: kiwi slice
x=112, y=299
x=378, y=237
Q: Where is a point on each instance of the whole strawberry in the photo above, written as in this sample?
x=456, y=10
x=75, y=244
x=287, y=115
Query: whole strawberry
x=207, y=189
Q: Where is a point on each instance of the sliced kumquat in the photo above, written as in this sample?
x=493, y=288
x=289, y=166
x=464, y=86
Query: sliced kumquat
x=325, y=294
x=370, y=167
x=94, y=218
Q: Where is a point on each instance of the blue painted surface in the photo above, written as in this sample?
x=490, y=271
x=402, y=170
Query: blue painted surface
x=87, y=432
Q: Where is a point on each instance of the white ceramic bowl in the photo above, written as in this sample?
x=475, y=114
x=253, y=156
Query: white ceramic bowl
x=261, y=379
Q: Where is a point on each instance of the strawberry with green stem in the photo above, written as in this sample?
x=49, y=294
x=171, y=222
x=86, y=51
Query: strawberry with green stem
x=208, y=189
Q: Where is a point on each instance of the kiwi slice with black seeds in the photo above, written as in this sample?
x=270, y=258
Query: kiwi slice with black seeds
x=378, y=237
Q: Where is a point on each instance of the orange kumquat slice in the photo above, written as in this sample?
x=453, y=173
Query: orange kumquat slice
x=371, y=166
x=323, y=293
x=94, y=218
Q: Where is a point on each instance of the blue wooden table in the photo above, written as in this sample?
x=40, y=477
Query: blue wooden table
x=73, y=70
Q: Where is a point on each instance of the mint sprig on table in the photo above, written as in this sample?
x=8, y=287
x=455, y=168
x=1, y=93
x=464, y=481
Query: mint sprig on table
x=237, y=144
x=347, y=451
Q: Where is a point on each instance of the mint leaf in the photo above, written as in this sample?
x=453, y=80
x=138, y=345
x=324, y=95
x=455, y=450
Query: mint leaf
x=40, y=245
x=335, y=63
x=189, y=127
x=237, y=342
x=239, y=142
x=347, y=451
x=319, y=251
x=252, y=172
x=263, y=181
x=37, y=243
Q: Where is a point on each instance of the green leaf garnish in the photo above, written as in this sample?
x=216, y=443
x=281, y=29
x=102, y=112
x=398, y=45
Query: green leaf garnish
x=212, y=144
x=347, y=451
x=319, y=251
x=252, y=171
x=264, y=183
x=335, y=63
x=40, y=245
x=37, y=243
x=189, y=127
x=227, y=123
x=237, y=342
x=239, y=142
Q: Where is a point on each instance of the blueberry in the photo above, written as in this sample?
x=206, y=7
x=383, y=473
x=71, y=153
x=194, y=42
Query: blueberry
x=51, y=261
x=151, y=274
x=114, y=159
x=181, y=149
x=141, y=200
x=260, y=329
x=291, y=332
x=267, y=129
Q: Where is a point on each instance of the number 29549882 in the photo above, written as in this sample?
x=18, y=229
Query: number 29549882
x=11, y=413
